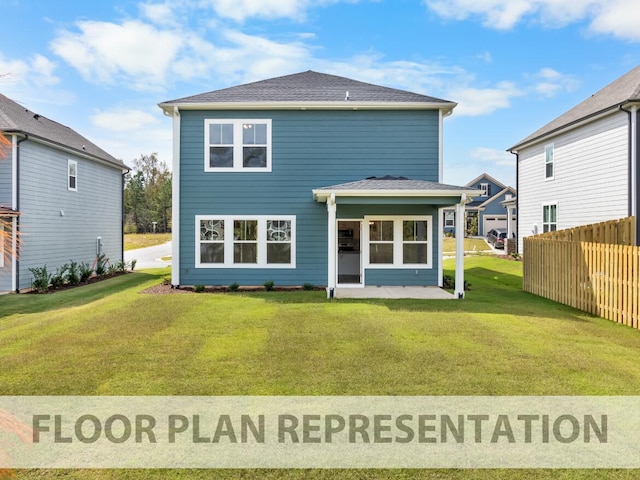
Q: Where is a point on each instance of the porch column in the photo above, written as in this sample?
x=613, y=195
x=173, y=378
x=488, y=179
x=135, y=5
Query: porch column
x=459, y=286
x=331, y=246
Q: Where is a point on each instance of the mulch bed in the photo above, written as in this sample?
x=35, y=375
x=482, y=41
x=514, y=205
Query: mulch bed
x=168, y=289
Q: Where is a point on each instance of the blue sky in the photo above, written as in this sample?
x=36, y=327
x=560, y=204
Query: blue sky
x=512, y=65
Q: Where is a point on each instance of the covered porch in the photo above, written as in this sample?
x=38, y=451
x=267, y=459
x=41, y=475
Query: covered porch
x=385, y=237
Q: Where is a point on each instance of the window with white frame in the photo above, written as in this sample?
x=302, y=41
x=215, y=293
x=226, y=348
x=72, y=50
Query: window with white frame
x=237, y=145
x=486, y=189
x=549, y=218
x=399, y=242
x=449, y=219
x=548, y=162
x=72, y=175
x=242, y=241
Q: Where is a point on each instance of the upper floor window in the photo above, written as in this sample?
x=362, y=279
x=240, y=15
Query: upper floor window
x=548, y=162
x=237, y=145
x=486, y=189
x=549, y=218
x=72, y=175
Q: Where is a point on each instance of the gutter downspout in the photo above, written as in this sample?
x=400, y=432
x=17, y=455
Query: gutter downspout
x=122, y=215
x=633, y=204
x=17, y=203
x=517, y=201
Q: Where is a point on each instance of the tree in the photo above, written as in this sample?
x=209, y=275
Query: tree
x=148, y=196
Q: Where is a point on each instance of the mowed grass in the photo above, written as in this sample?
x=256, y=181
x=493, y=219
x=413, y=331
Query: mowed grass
x=108, y=339
x=141, y=240
x=470, y=245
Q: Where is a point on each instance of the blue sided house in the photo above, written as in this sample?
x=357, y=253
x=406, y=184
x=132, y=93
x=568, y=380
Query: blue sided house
x=310, y=178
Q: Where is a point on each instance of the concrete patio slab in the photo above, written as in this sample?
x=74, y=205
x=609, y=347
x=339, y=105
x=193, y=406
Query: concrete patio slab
x=425, y=293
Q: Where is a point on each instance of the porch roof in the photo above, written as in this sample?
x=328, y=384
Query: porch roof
x=389, y=186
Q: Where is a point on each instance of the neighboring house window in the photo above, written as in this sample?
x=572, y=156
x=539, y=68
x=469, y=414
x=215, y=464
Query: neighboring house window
x=486, y=189
x=241, y=241
x=399, y=242
x=548, y=161
x=237, y=145
x=450, y=219
x=72, y=175
x=549, y=218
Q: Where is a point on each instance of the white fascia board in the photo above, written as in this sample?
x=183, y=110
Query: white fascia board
x=445, y=107
x=322, y=195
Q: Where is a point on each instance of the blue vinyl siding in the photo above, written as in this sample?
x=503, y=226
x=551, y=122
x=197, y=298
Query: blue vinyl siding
x=311, y=149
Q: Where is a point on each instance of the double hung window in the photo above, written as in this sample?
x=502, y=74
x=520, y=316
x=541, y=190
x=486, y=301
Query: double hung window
x=400, y=242
x=237, y=145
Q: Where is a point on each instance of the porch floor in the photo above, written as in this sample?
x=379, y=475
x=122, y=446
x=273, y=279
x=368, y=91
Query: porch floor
x=425, y=293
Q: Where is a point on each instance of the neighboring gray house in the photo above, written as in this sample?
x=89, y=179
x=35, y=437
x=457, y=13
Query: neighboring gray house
x=62, y=192
x=310, y=178
x=582, y=167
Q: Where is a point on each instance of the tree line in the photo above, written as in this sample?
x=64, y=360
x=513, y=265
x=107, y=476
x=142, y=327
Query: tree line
x=147, y=196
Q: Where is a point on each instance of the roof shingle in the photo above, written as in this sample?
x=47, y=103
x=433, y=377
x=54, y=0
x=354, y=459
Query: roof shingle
x=16, y=118
x=306, y=87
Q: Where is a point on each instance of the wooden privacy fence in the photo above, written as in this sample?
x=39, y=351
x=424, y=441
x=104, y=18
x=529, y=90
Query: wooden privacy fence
x=601, y=279
x=618, y=232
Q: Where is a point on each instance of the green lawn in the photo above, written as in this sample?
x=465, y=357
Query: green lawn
x=470, y=245
x=141, y=240
x=108, y=339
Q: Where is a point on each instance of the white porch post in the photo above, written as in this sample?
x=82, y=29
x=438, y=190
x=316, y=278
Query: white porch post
x=331, y=246
x=459, y=286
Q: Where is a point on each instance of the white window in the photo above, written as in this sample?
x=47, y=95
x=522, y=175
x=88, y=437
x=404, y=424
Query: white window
x=244, y=241
x=399, y=242
x=237, y=145
x=548, y=162
x=549, y=218
x=72, y=175
x=449, y=219
x=486, y=189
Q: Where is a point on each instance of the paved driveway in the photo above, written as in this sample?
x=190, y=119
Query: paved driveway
x=149, y=257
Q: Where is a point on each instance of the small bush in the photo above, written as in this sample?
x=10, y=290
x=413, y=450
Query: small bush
x=73, y=273
x=101, y=264
x=308, y=286
x=58, y=278
x=41, y=279
x=119, y=267
x=449, y=283
x=199, y=288
x=234, y=287
x=268, y=285
x=133, y=264
x=113, y=269
x=166, y=280
x=85, y=271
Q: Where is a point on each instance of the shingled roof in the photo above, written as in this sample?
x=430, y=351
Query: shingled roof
x=308, y=88
x=623, y=90
x=14, y=118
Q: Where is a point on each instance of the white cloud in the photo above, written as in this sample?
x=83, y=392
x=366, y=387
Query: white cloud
x=122, y=120
x=240, y=10
x=499, y=158
x=133, y=51
x=549, y=82
x=473, y=102
x=615, y=17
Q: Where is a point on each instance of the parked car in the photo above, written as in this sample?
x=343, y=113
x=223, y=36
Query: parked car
x=497, y=237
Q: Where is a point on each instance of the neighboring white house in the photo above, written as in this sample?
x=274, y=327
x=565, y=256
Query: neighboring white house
x=582, y=167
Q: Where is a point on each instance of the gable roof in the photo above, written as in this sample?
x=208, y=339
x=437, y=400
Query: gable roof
x=310, y=89
x=488, y=177
x=625, y=89
x=14, y=118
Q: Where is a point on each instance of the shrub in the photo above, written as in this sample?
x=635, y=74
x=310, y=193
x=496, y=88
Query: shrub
x=119, y=267
x=133, y=264
x=268, y=285
x=308, y=286
x=234, y=287
x=73, y=273
x=449, y=283
x=85, y=271
x=101, y=264
x=199, y=288
x=113, y=269
x=58, y=278
x=41, y=279
x=166, y=280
